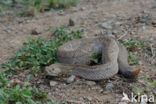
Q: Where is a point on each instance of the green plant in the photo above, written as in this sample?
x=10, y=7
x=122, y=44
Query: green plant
x=20, y=95
x=96, y=58
x=38, y=94
x=132, y=59
x=16, y=94
x=36, y=53
x=133, y=44
x=13, y=93
x=146, y=87
x=3, y=80
x=62, y=3
x=150, y=83
x=32, y=7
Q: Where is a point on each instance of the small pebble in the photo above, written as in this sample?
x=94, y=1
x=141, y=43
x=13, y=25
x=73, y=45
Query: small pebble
x=8, y=30
x=109, y=86
x=82, y=9
x=90, y=83
x=106, y=25
x=35, y=32
x=72, y=21
x=53, y=83
x=154, y=91
x=89, y=98
x=61, y=12
x=71, y=79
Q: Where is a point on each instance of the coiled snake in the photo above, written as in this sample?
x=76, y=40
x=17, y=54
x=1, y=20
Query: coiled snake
x=77, y=53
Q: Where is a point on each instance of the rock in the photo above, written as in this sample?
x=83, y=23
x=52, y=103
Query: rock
x=53, y=83
x=109, y=86
x=82, y=8
x=8, y=30
x=72, y=21
x=89, y=98
x=28, y=21
x=20, y=21
x=74, y=102
x=90, y=83
x=39, y=82
x=154, y=91
x=74, y=9
x=154, y=23
x=106, y=25
x=61, y=12
x=35, y=32
x=71, y=79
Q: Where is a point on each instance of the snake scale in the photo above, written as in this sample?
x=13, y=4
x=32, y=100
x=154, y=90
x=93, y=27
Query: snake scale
x=77, y=55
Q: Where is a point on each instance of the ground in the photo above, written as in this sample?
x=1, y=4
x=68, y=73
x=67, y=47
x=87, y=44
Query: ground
x=122, y=18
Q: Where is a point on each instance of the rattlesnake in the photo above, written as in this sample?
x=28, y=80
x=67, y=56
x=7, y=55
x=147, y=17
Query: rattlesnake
x=77, y=53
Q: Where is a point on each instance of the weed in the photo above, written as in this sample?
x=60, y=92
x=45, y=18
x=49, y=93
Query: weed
x=138, y=89
x=96, y=58
x=146, y=87
x=62, y=3
x=32, y=7
x=37, y=94
x=132, y=59
x=150, y=83
x=3, y=80
x=20, y=95
x=133, y=44
x=36, y=53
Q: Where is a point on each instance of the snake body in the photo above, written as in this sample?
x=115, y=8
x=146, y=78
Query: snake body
x=77, y=54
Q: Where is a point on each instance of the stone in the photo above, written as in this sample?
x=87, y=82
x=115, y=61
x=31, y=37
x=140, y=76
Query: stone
x=53, y=83
x=90, y=83
x=109, y=86
x=8, y=30
x=61, y=13
x=74, y=9
x=154, y=91
x=71, y=79
x=72, y=21
x=106, y=25
x=35, y=32
x=82, y=8
x=89, y=98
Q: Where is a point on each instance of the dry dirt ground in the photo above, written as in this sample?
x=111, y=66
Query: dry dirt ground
x=122, y=18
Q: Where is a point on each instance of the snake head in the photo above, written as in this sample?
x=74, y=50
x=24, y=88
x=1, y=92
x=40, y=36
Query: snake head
x=53, y=70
